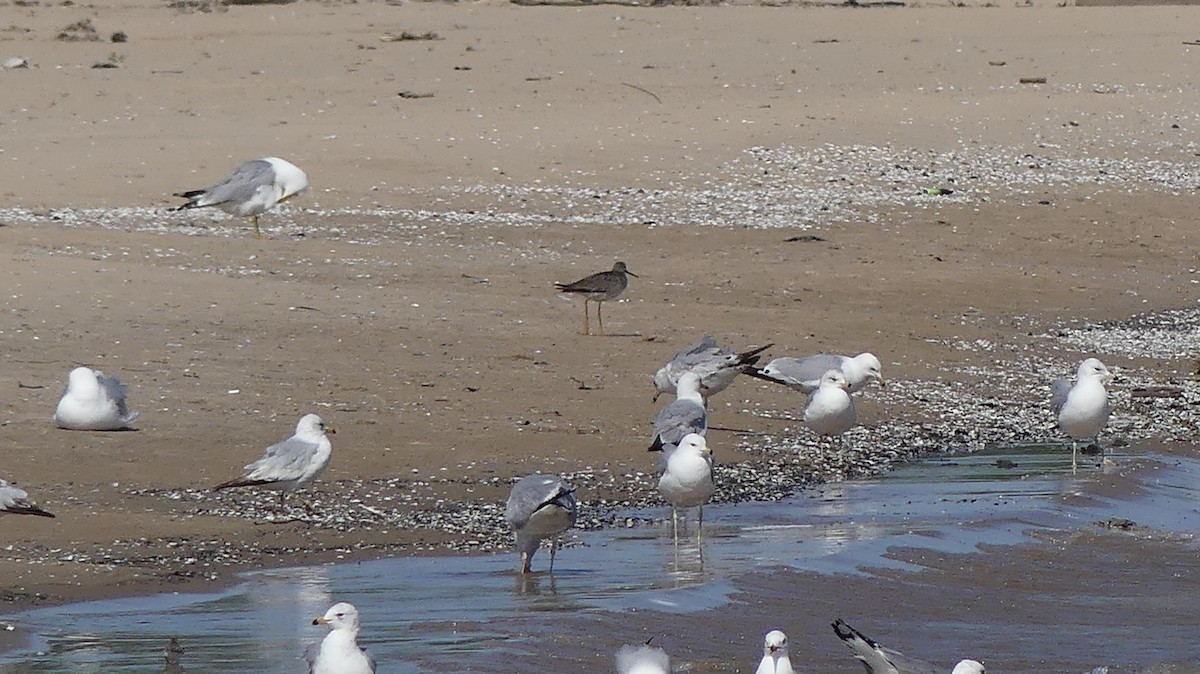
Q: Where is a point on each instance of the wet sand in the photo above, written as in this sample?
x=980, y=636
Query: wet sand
x=434, y=342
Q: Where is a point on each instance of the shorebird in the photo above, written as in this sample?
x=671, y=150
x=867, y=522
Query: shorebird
x=339, y=652
x=830, y=409
x=291, y=464
x=1082, y=409
x=15, y=501
x=688, y=480
x=775, y=655
x=253, y=188
x=717, y=366
x=540, y=506
x=879, y=660
x=93, y=402
x=645, y=659
x=600, y=287
x=804, y=374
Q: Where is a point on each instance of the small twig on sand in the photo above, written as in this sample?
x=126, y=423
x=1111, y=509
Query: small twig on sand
x=289, y=520
x=644, y=91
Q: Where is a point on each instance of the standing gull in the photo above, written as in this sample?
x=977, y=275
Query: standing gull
x=684, y=415
x=253, y=188
x=600, y=287
x=688, y=480
x=717, y=366
x=93, y=402
x=830, y=409
x=15, y=501
x=645, y=659
x=1082, y=410
x=775, y=655
x=290, y=464
x=804, y=374
x=339, y=652
x=879, y=660
x=540, y=506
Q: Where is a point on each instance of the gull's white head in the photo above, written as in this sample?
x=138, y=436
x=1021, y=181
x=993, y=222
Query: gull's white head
x=969, y=667
x=1092, y=368
x=775, y=644
x=871, y=366
x=694, y=442
x=312, y=427
x=288, y=177
x=82, y=380
x=643, y=660
x=834, y=379
x=340, y=616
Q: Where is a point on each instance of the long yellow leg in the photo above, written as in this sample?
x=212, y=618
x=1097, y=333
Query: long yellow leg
x=600, y=316
x=587, y=330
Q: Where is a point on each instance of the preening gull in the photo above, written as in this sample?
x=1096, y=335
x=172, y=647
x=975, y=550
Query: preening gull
x=775, y=655
x=339, y=652
x=291, y=464
x=1082, y=409
x=717, y=366
x=540, y=506
x=879, y=660
x=93, y=402
x=830, y=409
x=599, y=287
x=684, y=415
x=643, y=660
x=688, y=480
x=15, y=501
x=804, y=374
x=252, y=189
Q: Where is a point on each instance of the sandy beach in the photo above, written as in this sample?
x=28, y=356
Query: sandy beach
x=771, y=173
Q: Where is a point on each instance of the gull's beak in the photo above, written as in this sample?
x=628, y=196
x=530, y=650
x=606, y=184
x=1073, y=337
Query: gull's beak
x=330, y=430
x=656, y=395
x=774, y=648
x=320, y=621
x=882, y=383
x=846, y=385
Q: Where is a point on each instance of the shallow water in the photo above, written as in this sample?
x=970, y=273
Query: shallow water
x=883, y=536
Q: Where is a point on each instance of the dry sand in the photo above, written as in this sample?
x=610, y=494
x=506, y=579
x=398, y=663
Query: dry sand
x=399, y=300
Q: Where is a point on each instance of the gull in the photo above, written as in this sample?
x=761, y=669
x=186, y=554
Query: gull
x=253, y=188
x=643, y=660
x=290, y=464
x=879, y=660
x=688, y=480
x=1082, y=410
x=804, y=374
x=680, y=417
x=717, y=366
x=830, y=409
x=540, y=506
x=600, y=287
x=339, y=652
x=775, y=655
x=93, y=402
x=15, y=501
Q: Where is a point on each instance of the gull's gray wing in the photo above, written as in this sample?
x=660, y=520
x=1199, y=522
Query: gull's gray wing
x=286, y=461
x=877, y=659
x=116, y=392
x=699, y=351
x=310, y=656
x=676, y=420
x=240, y=186
x=1058, y=394
x=15, y=500
x=534, y=492
x=800, y=373
x=370, y=659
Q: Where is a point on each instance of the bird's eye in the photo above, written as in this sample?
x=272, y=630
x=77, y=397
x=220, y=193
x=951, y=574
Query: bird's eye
x=340, y=615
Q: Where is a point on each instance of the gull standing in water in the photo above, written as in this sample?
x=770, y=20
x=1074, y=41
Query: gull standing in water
x=830, y=409
x=93, y=402
x=717, y=366
x=879, y=660
x=1082, y=409
x=15, y=501
x=775, y=655
x=252, y=189
x=291, y=464
x=540, y=506
x=804, y=374
x=600, y=287
x=643, y=660
x=339, y=652
x=688, y=480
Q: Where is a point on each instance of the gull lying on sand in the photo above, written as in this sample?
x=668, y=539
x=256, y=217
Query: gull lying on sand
x=684, y=415
x=1082, y=410
x=540, y=506
x=600, y=287
x=830, y=409
x=643, y=660
x=93, y=402
x=804, y=374
x=879, y=660
x=339, y=652
x=775, y=655
x=291, y=464
x=15, y=501
x=688, y=480
x=717, y=366
x=252, y=189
